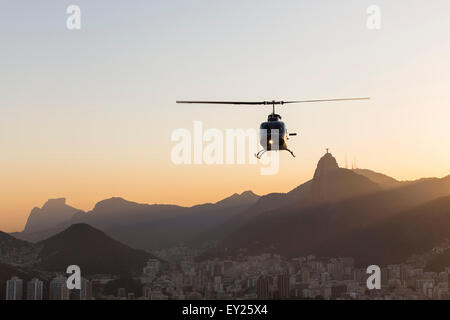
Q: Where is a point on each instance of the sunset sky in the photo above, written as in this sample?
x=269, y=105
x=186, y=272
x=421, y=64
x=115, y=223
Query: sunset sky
x=88, y=114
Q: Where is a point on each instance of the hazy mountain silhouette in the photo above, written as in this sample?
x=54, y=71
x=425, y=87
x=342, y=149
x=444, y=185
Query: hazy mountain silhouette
x=263, y=204
x=339, y=212
x=341, y=204
x=183, y=227
x=53, y=213
x=380, y=179
x=331, y=183
x=108, y=213
x=92, y=250
x=114, y=211
x=146, y=226
x=243, y=199
x=393, y=240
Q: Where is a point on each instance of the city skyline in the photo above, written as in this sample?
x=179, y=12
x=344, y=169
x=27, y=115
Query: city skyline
x=261, y=277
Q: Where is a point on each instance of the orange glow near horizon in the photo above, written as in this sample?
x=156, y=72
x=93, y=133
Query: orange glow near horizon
x=83, y=188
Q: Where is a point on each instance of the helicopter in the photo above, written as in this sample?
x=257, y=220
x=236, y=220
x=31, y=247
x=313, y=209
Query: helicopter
x=273, y=130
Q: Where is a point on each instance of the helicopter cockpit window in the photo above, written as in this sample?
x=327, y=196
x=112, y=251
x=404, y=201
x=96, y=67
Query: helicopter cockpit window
x=274, y=126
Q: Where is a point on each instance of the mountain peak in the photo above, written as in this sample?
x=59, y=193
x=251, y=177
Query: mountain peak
x=114, y=201
x=326, y=164
x=331, y=183
x=247, y=197
x=52, y=213
x=248, y=194
x=93, y=251
x=81, y=227
x=54, y=203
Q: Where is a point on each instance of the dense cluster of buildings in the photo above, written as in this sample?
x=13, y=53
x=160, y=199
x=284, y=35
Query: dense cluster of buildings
x=265, y=276
x=271, y=277
x=16, y=289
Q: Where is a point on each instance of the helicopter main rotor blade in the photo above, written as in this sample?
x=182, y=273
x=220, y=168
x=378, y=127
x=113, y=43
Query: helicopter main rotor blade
x=269, y=103
x=225, y=102
x=326, y=100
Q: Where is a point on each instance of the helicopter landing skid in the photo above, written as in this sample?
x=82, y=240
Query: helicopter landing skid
x=291, y=152
x=260, y=153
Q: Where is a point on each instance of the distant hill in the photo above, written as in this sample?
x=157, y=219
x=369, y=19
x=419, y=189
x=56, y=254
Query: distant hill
x=237, y=200
x=92, y=250
x=416, y=230
x=382, y=180
x=15, y=251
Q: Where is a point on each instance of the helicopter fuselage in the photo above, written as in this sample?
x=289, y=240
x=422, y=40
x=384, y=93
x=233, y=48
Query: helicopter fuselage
x=273, y=134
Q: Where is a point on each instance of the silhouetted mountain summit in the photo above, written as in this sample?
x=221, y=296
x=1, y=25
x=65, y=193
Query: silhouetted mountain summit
x=118, y=205
x=245, y=198
x=331, y=183
x=52, y=213
x=326, y=165
x=92, y=250
x=116, y=211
